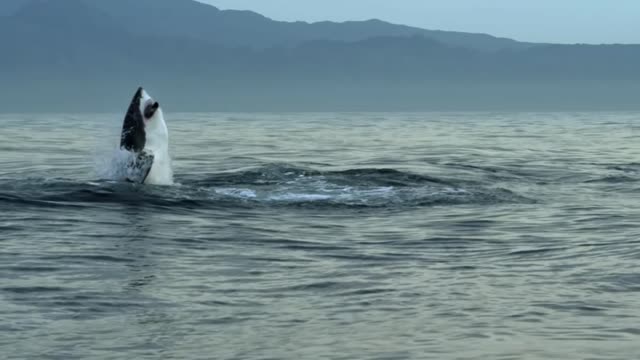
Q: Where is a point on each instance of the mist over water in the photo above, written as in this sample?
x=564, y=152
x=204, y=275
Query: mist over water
x=328, y=235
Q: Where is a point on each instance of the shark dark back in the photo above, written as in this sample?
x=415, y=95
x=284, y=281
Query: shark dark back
x=134, y=135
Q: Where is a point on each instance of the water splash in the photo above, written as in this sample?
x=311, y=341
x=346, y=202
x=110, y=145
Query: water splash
x=113, y=165
x=120, y=165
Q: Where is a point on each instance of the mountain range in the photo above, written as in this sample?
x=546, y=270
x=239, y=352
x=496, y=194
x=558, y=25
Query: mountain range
x=90, y=55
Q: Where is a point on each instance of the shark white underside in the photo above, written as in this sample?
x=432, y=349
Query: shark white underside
x=157, y=145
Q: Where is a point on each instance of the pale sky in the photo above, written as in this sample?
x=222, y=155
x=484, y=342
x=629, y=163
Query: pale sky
x=560, y=21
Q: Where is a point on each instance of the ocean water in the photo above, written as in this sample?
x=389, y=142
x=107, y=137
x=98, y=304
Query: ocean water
x=324, y=236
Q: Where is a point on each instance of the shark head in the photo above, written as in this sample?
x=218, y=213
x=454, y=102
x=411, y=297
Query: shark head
x=144, y=127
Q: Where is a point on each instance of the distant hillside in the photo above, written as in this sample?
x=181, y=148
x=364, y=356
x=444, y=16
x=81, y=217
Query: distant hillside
x=198, y=21
x=89, y=55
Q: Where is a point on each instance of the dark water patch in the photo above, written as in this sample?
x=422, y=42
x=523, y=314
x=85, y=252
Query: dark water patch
x=189, y=241
x=311, y=247
x=273, y=260
x=221, y=303
x=486, y=169
x=74, y=259
x=536, y=252
x=579, y=307
x=366, y=292
x=227, y=320
x=630, y=167
x=619, y=283
x=14, y=201
x=378, y=259
x=628, y=331
x=139, y=283
x=614, y=179
x=512, y=173
x=20, y=269
x=34, y=289
x=127, y=197
x=9, y=228
x=462, y=268
x=384, y=177
x=326, y=286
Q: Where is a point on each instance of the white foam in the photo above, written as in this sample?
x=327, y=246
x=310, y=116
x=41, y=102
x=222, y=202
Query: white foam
x=240, y=193
x=381, y=191
x=299, y=197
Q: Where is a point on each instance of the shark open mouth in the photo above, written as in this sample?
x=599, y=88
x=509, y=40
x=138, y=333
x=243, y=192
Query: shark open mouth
x=150, y=109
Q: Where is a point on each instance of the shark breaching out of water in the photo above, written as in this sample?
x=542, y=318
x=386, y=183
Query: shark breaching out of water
x=145, y=135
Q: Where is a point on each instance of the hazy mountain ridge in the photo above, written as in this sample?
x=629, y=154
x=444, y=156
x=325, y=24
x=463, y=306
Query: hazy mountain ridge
x=73, y=55
x=195, y=20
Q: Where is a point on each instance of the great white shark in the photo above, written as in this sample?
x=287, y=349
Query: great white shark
x=145, y=135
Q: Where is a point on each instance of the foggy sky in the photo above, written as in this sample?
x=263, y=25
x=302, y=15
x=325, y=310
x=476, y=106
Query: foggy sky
x=558, y=21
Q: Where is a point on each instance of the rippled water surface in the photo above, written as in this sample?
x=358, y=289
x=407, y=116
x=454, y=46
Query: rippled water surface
x=324, y=236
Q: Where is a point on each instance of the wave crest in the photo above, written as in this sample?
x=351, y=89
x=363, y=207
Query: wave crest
x=273, y=185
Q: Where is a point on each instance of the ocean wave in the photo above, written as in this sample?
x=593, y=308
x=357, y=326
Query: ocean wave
x=266, y=186
x=282, y=173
